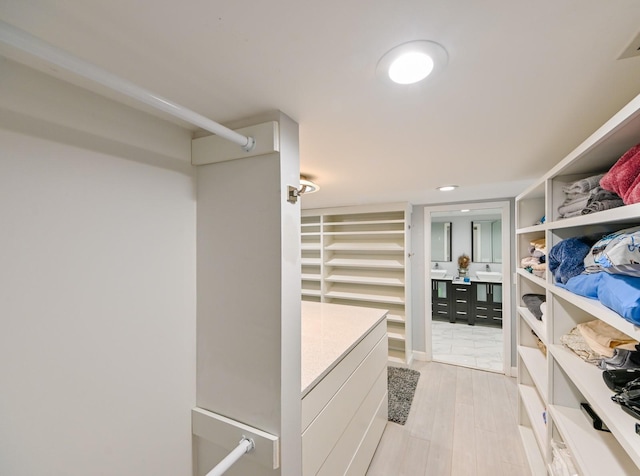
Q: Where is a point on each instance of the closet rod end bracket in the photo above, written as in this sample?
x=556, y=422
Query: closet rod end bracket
x=250, y=145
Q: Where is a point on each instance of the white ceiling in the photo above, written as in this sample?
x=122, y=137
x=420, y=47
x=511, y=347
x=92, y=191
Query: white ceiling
x=525, y=84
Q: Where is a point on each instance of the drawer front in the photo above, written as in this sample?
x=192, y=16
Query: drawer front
x=347, y=446
x=316, y=398
x=321, y=436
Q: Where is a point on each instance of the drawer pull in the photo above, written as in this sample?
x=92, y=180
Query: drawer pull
x=461, y=300
x=461, y=312
x=442, y=304
x=479, y=316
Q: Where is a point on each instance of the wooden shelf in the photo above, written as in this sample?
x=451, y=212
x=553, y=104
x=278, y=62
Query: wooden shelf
x=311, y=261
x=588, y=380
x=365, y=233
x=531, y=229
x=363, y=222
x=366, y=263
x=532, y=451
x=594, y=452
x=536, y=364
x=373, y=280
x=395, y=336
x=626, y=215
x=364, y=297
x=397, y=357
x=366, y=246
x=395, y=318
x=311, y=292
x=311, y=277
x=537, y=326
x=532, y=277
x=533, y=406
x=598, y=310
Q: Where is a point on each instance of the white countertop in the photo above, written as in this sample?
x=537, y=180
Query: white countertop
x=472, y=279
x=329, y=332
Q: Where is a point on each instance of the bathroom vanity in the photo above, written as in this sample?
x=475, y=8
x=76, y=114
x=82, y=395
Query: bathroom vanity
x=344, y=387
x=475, y=302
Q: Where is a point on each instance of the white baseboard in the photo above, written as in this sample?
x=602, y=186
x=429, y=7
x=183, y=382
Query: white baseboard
x=514, y=371
x=421, y=356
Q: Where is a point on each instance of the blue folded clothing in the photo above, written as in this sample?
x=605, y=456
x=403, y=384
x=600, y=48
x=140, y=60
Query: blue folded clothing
x=566, y=259
x=616, y=291
x=584, y=284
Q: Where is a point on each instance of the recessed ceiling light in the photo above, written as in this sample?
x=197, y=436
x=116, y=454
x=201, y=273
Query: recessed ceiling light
x=447, y=188
x=465, y=210
x=307, y=186
x=412, y=62
x=410, y=68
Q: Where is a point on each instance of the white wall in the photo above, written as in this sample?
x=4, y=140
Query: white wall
x=97, y=284
x=461, y=243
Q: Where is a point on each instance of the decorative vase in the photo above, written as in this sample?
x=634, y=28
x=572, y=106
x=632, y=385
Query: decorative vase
x=462, y=271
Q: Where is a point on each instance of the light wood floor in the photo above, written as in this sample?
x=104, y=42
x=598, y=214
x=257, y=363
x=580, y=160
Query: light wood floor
x=462, y=423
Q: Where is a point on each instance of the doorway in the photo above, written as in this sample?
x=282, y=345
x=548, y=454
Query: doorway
x=470, y=319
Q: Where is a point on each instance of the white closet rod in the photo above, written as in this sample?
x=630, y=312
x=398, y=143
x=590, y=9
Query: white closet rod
x=28, y=43
x=238, y=452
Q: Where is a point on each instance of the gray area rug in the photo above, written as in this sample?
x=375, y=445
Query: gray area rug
x=402, y=385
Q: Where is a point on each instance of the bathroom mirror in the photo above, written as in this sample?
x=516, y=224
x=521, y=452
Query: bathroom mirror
x=441, y=241
x=486, y=236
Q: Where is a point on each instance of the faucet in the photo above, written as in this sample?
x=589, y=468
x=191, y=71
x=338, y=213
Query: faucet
x=436, y=266
x=487, y=268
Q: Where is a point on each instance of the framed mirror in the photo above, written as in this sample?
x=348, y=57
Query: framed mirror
x=486, y=241
x=441, y=241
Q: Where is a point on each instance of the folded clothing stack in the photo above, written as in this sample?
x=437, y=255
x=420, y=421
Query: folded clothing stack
x=536, y=304
x=536, y=262
x=608, y=271
x=603, y=345
x=566, y=259
x=624, y=177
x=616, y=291
x=586, y=196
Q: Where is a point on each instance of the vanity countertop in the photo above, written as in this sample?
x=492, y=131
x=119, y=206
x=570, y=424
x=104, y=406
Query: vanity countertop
x=472, y=279
x=329, y=333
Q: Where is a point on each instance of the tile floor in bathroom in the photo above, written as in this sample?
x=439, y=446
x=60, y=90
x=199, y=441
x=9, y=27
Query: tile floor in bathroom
x=470, y=346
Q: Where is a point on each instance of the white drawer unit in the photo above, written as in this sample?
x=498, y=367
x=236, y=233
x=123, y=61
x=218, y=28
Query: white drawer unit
x=344, y=407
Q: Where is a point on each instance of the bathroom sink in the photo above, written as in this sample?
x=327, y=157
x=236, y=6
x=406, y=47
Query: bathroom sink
x=438, y=273
x=492, y=276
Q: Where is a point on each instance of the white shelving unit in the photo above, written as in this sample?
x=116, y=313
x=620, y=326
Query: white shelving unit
x=552, y=386
x=360, y=256
x=311, y=249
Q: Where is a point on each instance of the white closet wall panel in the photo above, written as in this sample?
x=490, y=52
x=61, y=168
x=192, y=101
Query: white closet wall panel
x=249, y=313
x=97, y=284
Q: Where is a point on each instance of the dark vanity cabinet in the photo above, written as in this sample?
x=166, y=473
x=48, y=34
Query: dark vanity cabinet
x=461, y=303
x=441, y=300
x=487, y=304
